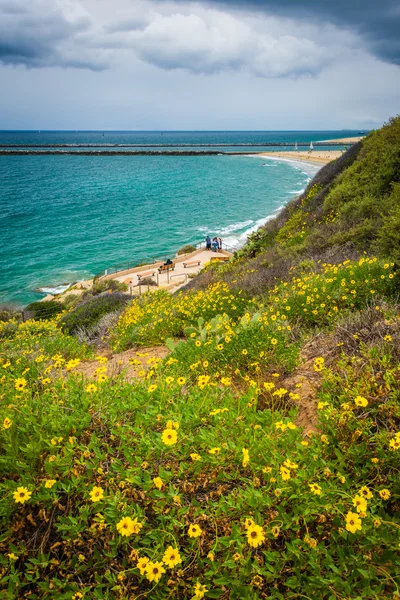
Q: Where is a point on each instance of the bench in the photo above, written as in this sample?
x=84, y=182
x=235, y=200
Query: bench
x=191, y=263
x=145, y=274
x=219, y=259
x=170, y=267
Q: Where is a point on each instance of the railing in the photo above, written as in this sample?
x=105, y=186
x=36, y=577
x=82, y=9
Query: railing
x=130, y=265
x=201, y=244
x=148, y=261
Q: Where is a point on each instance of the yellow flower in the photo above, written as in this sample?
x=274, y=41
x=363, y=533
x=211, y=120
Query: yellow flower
x=181, y=380
x=158, y=482
x=194, y=531
x=246, y=457
x=388, y=338
x=274, y=341
x=255, y=535
x=195, y=456
x=377, y=522
x=374, y=460
x=199, y=591
x=315, y=488
x=214, y=450
x=151, y=389
x=12, y=556
x=360, y=401
x=269, y=386
x=142, y=564
x=244, y=352
x=394, y=444
x=171, y=557
x=169, y=437
x=236, y=557
x=205, y=364
x=172, y=425
x=91, y=388
x=198, y=343
x=360, y=503
x=353, y=522
x=127, y=526
x=20, y=383
x=211, y=556
x=154, y=571
x=384, y=494
x=21, y=495
x=324, y=439
x=7, y=423
x=365, y=492
x=49, y=483
x=96, y=494
x=285, y=473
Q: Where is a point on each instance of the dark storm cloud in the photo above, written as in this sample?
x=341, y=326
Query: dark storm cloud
x=377, y=22
x=33, y=34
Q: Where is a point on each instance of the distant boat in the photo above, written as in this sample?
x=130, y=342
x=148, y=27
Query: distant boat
x=311, y=146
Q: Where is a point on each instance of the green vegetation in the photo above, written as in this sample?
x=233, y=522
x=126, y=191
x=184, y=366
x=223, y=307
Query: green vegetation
x=88, y=313
x=187, y=249
x=46, y=309
x=259, y=458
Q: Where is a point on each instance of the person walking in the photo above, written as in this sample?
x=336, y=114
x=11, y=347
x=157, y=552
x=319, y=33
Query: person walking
x=208, y=243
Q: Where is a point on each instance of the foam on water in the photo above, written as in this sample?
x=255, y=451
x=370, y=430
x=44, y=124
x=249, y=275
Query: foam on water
x=65, y=219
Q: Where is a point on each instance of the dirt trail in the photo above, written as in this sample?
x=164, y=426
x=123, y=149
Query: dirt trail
x=310, y=380
x=143, y=359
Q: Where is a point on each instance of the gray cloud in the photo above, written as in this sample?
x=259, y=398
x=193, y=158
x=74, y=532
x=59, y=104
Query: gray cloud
x=40, y=34
x=377, y=22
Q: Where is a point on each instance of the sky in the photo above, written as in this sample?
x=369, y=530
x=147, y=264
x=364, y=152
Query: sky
x=209, y=64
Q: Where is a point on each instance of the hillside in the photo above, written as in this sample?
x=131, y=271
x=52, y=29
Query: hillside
x=237, y=440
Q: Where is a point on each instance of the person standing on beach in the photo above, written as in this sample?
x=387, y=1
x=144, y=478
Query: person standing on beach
x=208, y=243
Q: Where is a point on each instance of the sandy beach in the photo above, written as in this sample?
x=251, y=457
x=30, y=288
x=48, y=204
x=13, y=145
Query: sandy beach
x=316, y=157
x=348, y=140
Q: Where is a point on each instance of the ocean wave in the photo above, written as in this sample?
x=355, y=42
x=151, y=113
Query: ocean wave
x=234, y=227
x=296, y=191
x=53, y=291
x=238, y=241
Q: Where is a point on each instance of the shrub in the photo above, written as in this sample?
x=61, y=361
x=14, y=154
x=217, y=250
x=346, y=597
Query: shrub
x=106, y=285
x=89, y=312
x=186, y=250
x=44, y=310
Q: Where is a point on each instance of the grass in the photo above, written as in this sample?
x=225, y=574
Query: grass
x=105, y=479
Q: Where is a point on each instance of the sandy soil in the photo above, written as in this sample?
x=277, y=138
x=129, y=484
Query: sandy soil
x=316, y=157
x=347, y=140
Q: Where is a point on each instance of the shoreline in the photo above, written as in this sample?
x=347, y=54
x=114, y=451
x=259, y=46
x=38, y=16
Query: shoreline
x=316, y=158
x=85, y=284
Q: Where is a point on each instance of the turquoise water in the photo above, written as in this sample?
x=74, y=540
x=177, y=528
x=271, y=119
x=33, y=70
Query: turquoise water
x=65, y=218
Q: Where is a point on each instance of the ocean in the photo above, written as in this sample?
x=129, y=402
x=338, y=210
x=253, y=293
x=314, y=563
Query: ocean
x=67, y=218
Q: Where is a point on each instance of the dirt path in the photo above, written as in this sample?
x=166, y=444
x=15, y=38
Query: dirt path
x=131, y=361
x=310, y=380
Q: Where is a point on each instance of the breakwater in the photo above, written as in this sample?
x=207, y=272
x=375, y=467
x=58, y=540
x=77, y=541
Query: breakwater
x=144, y=146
